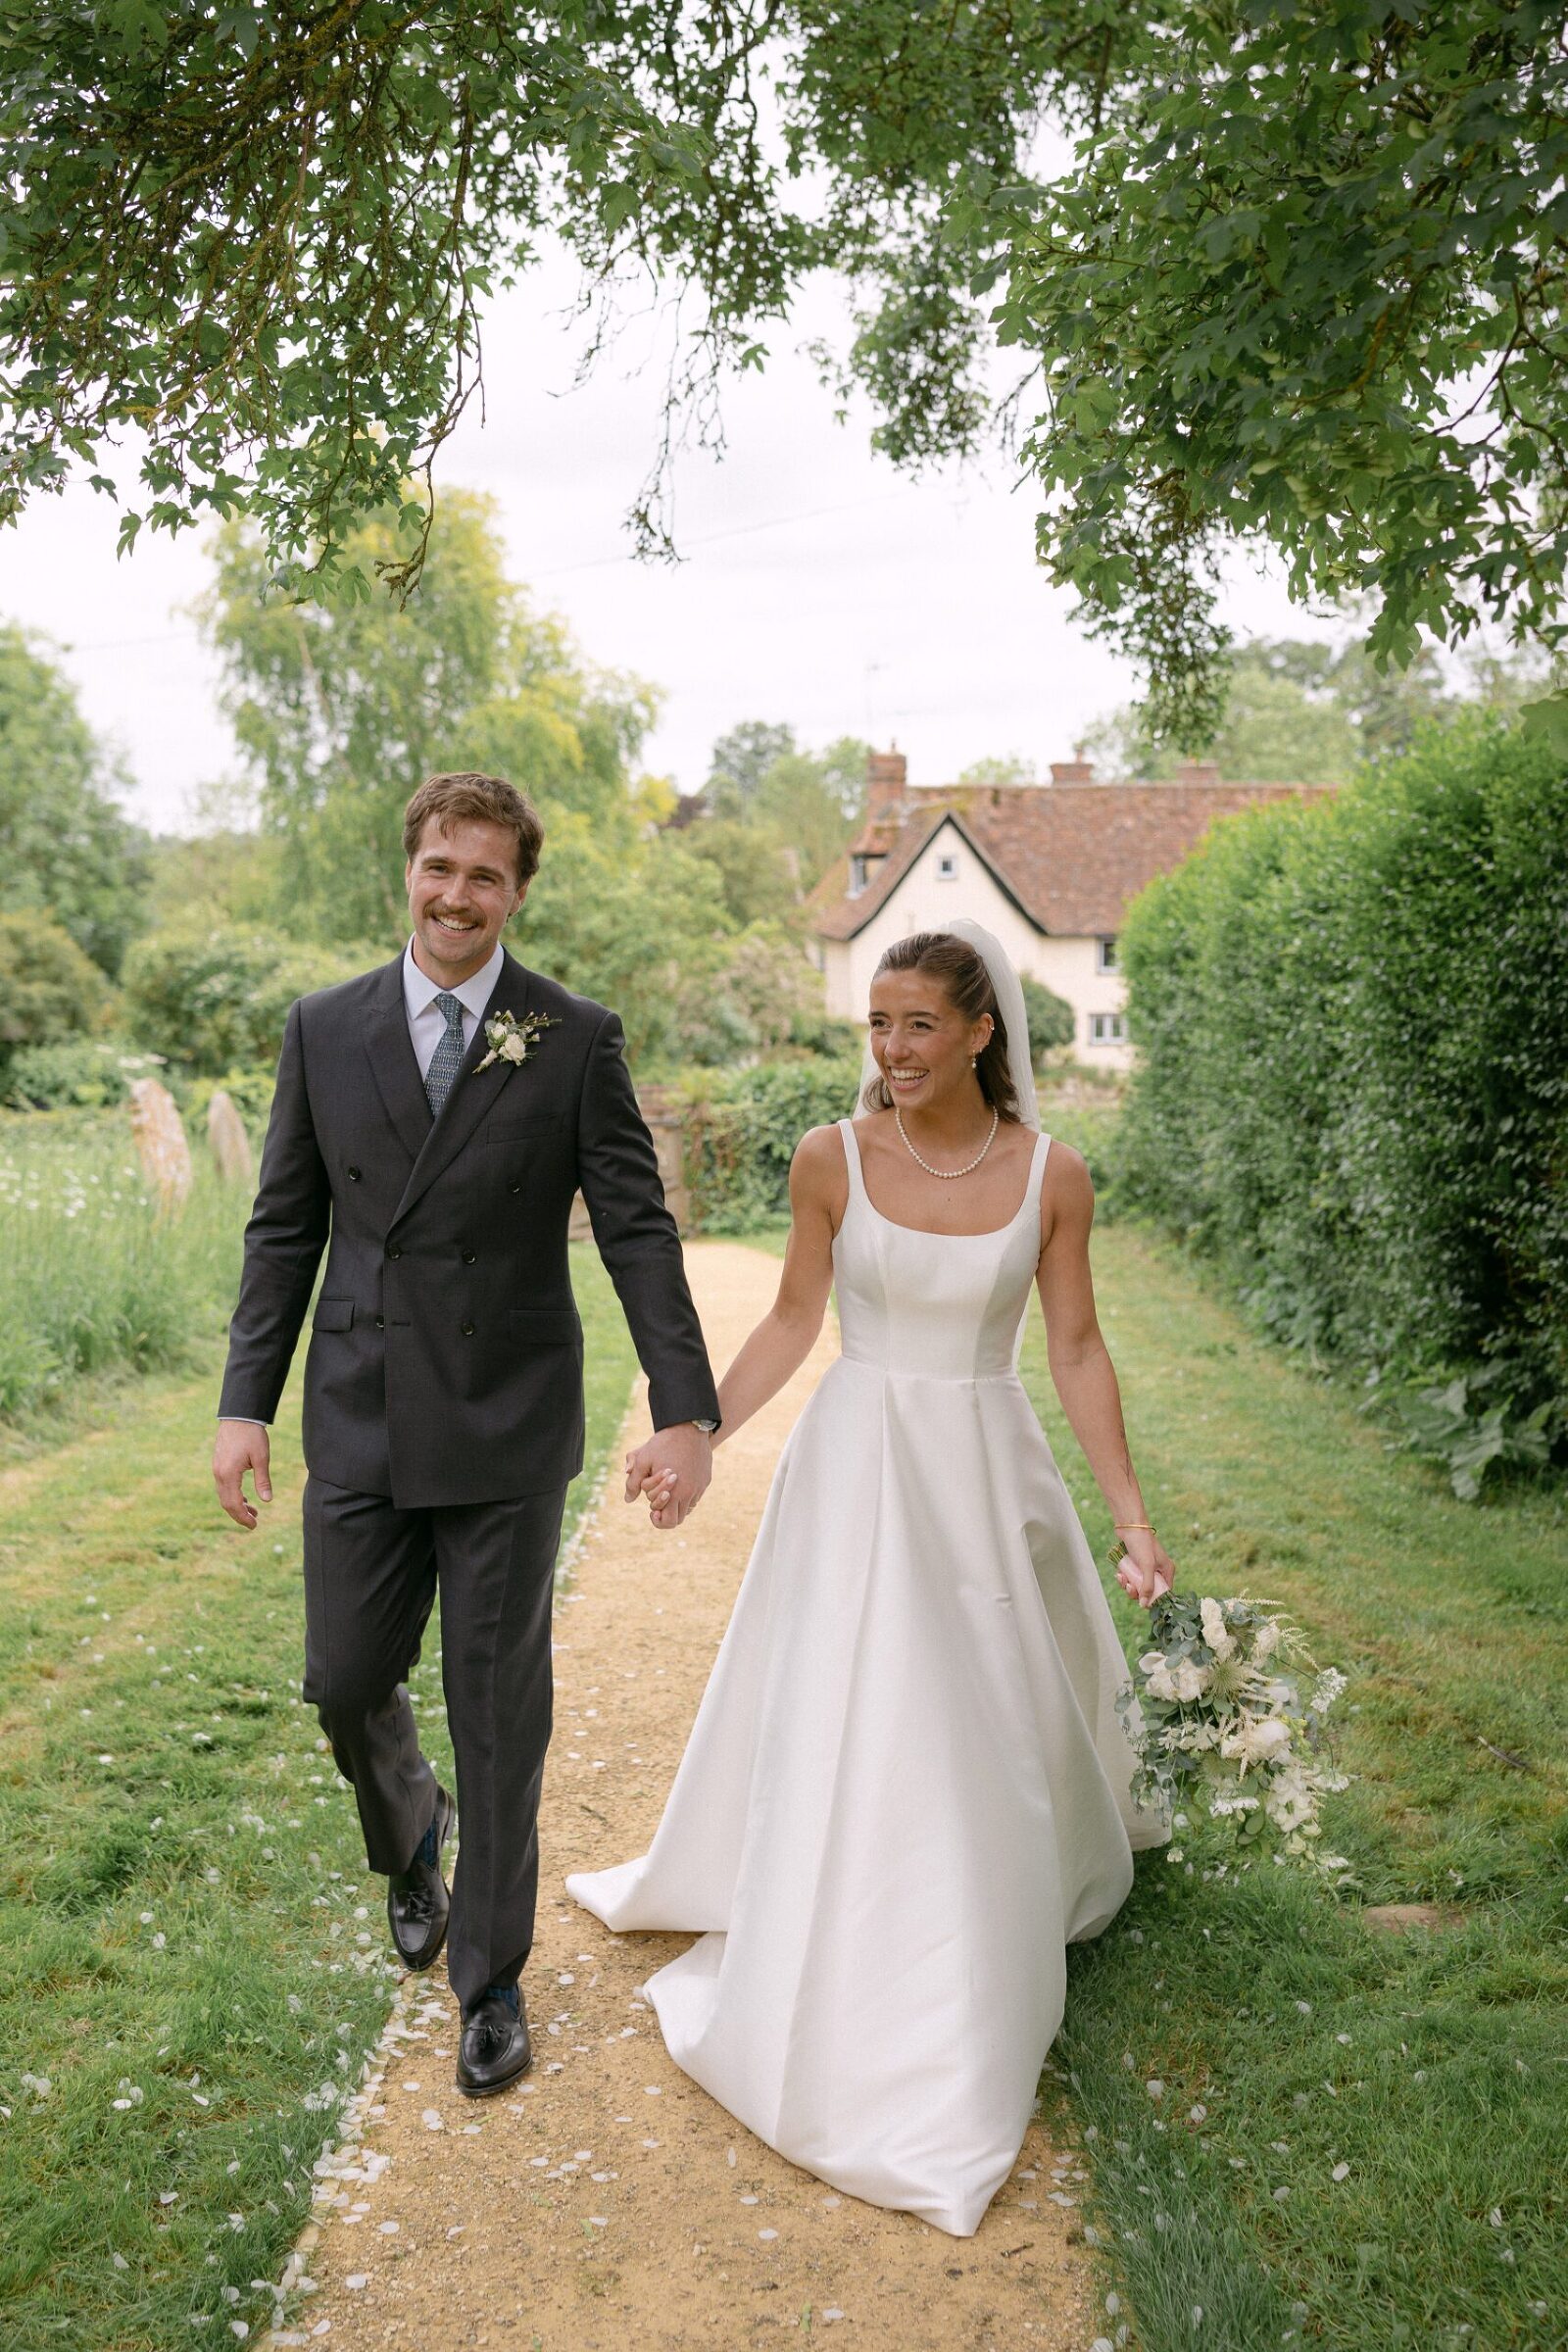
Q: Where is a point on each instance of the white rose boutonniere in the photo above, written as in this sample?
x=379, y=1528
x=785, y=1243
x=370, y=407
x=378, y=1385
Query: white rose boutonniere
x=511, y=1040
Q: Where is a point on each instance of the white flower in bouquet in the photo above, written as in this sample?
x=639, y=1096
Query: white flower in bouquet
x=1179, y=1683
x=1255, y=1739
x=1216, y=1633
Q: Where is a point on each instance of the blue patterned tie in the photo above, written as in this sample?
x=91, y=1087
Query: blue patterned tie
x=447, y=1059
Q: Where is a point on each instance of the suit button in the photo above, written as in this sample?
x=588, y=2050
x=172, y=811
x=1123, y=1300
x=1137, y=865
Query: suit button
x=393, y=1250
x=354, y=1175
x=381, y=1322
x=468, y=1331
x=469, y=1259
x=515, y=1188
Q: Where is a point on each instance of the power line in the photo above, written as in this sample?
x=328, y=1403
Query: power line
x=738, y=530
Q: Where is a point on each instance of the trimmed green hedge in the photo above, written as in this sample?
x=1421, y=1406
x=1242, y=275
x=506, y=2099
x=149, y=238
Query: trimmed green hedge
x=742, y=1130
x=1353, y=1092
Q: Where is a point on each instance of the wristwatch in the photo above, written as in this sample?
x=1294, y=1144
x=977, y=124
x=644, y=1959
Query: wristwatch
x=707, y=1427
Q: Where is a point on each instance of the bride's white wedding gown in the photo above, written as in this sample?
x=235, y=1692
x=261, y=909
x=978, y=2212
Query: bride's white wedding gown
x=906, y=1790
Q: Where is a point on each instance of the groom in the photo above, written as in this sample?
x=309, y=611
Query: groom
x=432, y=1146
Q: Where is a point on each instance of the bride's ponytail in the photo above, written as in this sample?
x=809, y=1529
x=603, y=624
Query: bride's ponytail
x=966, y=983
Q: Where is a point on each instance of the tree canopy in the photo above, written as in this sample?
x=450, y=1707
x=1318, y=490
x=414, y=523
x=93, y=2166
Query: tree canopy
x=1302, y=283
x=65, y=844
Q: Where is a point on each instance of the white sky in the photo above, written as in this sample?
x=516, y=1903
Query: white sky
x=820, y=586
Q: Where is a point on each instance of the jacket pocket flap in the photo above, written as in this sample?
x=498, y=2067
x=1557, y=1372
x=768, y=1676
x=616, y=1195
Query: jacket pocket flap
x=332, y=1314
x=545, y=1323
x=516, y=1131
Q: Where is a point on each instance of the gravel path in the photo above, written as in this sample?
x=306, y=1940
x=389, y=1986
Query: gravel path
x=608, y=2203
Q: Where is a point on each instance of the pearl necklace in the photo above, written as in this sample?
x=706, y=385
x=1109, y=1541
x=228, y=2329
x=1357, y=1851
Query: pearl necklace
x=947, y=1174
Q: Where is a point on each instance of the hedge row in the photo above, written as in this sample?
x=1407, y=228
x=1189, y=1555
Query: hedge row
x=1353, y=1022
x=742, y=1130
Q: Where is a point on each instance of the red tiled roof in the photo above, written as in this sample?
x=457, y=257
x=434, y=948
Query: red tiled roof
x=1073, y=855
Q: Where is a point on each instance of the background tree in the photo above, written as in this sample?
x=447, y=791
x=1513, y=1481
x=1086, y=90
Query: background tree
x=1305, y=713
x=740, y=761
x=64, y=844
x=1007, y=767
x=805, y=804
x=755, y=874
x=342, y=708
x=810, y=802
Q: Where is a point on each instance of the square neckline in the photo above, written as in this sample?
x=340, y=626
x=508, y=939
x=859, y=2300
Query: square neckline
x=992, y=1233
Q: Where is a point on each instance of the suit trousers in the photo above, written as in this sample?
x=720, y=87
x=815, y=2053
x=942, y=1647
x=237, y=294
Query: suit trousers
x=372, y=1574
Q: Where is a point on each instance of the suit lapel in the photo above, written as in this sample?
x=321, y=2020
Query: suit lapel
x=471, y=1095
x=396, y=1071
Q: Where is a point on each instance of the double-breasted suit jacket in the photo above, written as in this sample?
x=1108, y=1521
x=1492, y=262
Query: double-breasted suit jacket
x=445, y=1363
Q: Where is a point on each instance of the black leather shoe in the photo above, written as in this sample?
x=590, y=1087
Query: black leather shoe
x=493, y=2050
x=418, y=1905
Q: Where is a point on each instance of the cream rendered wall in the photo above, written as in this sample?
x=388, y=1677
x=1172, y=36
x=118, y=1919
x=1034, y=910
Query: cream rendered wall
x=927, y=900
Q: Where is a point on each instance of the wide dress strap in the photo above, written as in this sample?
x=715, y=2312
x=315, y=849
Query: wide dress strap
x=851, y=1161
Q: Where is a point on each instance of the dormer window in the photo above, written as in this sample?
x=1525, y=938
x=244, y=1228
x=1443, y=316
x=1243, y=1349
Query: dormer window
x=858, y=875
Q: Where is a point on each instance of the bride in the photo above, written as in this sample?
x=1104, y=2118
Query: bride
x=906, y=1790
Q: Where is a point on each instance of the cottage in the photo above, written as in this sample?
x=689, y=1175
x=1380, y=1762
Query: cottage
x=1050, y=868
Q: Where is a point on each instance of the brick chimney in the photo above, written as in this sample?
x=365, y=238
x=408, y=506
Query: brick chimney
x=1072, y=771
x=887, y=773
x=1198, y=772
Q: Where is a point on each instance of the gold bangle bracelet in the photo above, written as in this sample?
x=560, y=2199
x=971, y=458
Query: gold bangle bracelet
x=1120, y=1524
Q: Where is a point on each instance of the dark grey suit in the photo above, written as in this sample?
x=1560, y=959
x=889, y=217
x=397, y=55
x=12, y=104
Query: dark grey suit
x=443, y=1390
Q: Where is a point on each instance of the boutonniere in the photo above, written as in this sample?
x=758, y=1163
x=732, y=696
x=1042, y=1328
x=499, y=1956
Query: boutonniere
x=511, y=1040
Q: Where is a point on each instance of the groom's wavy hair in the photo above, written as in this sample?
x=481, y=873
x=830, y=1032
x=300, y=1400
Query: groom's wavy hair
x=963, y=975
x=467, y=797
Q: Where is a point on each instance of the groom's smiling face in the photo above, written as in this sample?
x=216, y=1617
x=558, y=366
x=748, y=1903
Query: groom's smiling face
x=463, y=884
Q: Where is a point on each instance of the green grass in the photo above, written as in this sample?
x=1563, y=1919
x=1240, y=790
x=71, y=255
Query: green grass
x=185, y=1920
x=1435, y=2066
x=94, y=1279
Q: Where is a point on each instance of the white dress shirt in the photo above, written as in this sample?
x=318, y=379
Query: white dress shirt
x=427, y=1023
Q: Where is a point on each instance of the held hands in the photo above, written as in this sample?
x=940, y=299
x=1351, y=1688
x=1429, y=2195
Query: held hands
x=242, y=1445
x=1147, y=1570
x=672, y=1470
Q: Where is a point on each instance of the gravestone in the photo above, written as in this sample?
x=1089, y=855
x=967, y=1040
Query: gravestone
x=230, y=1145
x=159, y=1140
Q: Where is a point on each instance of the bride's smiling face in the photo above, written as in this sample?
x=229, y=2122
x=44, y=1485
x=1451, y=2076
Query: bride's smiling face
x=920, y=1041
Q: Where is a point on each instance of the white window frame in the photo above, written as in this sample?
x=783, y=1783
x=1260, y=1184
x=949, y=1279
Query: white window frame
x=948, y=866
x=857, y=876
x=1108, y=1028
x=1106, y=952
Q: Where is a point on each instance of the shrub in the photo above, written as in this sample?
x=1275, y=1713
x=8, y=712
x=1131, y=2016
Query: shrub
x=49, y=990
x=250, y=1091
x=217, y=1000
x=1352, y=1087
x=1049, y=1017
x=82, y=1074
x=742, y=1132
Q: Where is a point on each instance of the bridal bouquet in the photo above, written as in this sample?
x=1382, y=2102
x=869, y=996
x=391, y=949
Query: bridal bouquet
x=1222, y=1716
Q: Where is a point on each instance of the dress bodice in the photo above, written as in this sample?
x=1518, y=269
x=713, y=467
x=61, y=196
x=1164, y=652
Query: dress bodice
x=934, y=1306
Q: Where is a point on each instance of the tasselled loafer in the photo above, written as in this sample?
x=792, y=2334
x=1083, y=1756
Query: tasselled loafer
x=493, y=2050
